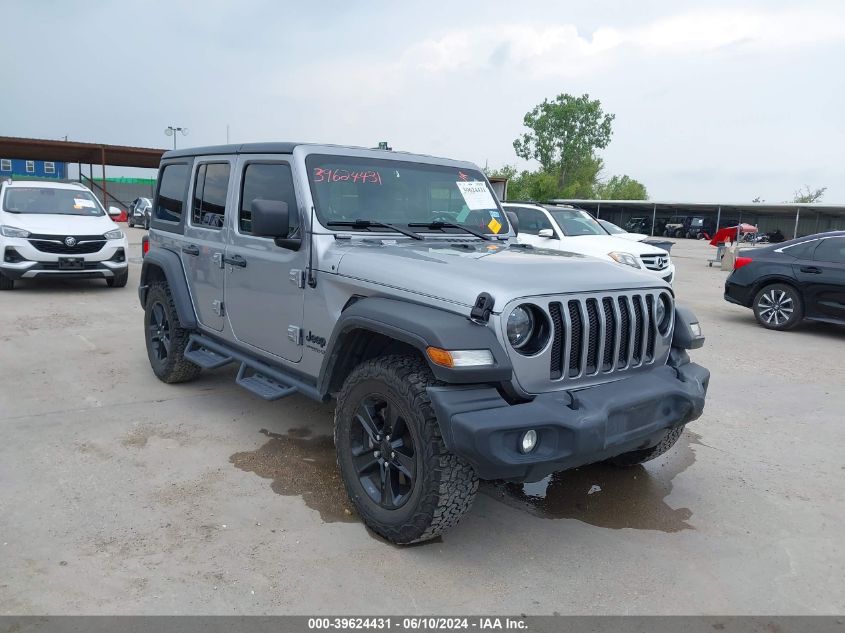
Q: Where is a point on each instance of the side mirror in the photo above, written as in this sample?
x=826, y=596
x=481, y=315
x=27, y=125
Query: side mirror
x=546, y=233
x=514, y=220
x=114, y=212
x=271, y=218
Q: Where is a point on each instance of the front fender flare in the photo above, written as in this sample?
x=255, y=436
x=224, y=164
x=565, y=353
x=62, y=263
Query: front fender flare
x=421, y=327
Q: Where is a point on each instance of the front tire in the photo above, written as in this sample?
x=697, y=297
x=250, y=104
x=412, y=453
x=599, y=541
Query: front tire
x=778, y=307
x=634, y=458
x=119, y=280
x=404, y=483
x=6, y=283
x=130, y=222
x=165, y=337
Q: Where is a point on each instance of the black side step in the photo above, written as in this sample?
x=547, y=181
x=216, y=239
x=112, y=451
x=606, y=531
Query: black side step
x=265, y=381
x=261, y=385
x=204, y=357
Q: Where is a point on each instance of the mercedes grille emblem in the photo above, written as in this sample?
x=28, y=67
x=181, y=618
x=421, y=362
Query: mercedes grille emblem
x=70, y=241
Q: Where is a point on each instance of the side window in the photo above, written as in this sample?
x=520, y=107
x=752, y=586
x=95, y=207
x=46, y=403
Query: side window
x=831, y=250
x=267, y=181
x=804, y=250
x=171, y=190
x=208, y=206
x=531, y=221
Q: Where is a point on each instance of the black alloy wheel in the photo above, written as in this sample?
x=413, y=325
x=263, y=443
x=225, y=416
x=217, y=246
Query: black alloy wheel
x=383, y=452
x=159, y=328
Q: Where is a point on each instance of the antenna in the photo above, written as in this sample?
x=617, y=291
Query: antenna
x=312, y=281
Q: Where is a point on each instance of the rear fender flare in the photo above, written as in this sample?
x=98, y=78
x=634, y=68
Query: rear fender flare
x=160, y=262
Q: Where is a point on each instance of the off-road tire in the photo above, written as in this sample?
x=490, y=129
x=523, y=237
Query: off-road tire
x=647, y=454
x=130, y=222
x=119, y=280
x=444, y=487
x=6, y=283
x=174, y=368
x=147, y=224
x=773, y=290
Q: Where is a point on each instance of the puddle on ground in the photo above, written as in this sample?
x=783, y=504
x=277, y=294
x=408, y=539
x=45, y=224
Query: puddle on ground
x=301, y=465
x=628, y=497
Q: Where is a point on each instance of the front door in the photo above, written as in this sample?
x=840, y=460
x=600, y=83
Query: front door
x=531, y=222
x=265, y=285
x=205, y=239
x=823, y=279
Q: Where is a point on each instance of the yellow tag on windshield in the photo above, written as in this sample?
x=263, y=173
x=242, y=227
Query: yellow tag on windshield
x=494, y=225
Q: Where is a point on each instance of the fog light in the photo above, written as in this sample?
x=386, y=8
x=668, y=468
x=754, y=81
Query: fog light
x=528, y=441
x=695, y=328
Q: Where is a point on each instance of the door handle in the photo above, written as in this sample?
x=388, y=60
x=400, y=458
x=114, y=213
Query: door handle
x=191, y=250
x=811, y=269
x=235, y=260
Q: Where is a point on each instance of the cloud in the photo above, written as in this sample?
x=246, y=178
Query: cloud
x=562, y=50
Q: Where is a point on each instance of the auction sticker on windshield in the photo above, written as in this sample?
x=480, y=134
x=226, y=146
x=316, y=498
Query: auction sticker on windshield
x=476, y=195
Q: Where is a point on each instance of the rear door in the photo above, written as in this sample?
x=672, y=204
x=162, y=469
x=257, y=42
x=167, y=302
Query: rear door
x=265, y=294
x=824, y=279
x=205, y=238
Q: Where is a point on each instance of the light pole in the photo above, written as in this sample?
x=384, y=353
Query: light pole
x=172, y=130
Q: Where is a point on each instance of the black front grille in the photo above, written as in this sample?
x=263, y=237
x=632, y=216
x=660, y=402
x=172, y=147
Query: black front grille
x=593, y=336
x=625, y=335
x=610, y=337
x=638, y=331
x=557, y=340
x=61, y=248
x=584, y=344
x=577, y=335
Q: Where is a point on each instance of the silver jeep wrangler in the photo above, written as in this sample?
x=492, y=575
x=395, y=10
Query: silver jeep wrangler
x=393, y=283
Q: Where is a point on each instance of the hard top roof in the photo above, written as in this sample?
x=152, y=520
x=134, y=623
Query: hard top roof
x=286, y=147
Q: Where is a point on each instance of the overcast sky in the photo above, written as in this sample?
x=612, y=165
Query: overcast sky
x=712, y=101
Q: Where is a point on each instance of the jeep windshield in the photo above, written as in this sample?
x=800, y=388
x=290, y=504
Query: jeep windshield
x=574, y=222
x=51, y=201
x=427, y=197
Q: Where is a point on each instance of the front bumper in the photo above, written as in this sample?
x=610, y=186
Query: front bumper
x=574, y=428
x=91, y=270
x=19, y=259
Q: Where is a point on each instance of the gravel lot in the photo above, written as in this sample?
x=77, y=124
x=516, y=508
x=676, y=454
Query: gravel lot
x=120, y=494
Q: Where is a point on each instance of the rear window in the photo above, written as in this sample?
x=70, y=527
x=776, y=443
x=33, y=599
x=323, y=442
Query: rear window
x=171, y=192
x=50, y=201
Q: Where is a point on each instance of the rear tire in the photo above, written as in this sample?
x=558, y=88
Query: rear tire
x=634, y=458
x=165, y=337
x=119, y=280
x=420, y=489
x=778, y=307
x=6, y=283
x=147, y=224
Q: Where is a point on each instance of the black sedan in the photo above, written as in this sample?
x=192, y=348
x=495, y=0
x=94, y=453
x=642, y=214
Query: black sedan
x=799, y=279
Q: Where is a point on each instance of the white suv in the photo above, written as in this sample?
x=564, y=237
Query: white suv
x=58, y=229
x=567, y=228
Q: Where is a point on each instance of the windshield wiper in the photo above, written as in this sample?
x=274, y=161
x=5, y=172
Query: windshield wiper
x=366, y=224
x=438, y=225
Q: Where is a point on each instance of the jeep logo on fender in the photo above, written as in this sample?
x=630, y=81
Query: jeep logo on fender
x=317, y=340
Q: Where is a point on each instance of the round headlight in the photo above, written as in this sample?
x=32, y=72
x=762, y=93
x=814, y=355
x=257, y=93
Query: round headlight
x=520, y=325
x=662, y=313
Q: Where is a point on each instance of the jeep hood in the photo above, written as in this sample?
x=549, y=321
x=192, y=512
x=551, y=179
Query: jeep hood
x=458, y=271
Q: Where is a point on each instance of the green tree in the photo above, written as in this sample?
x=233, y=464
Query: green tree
x=621, y=188
x=564, y=134
x=809, y=195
